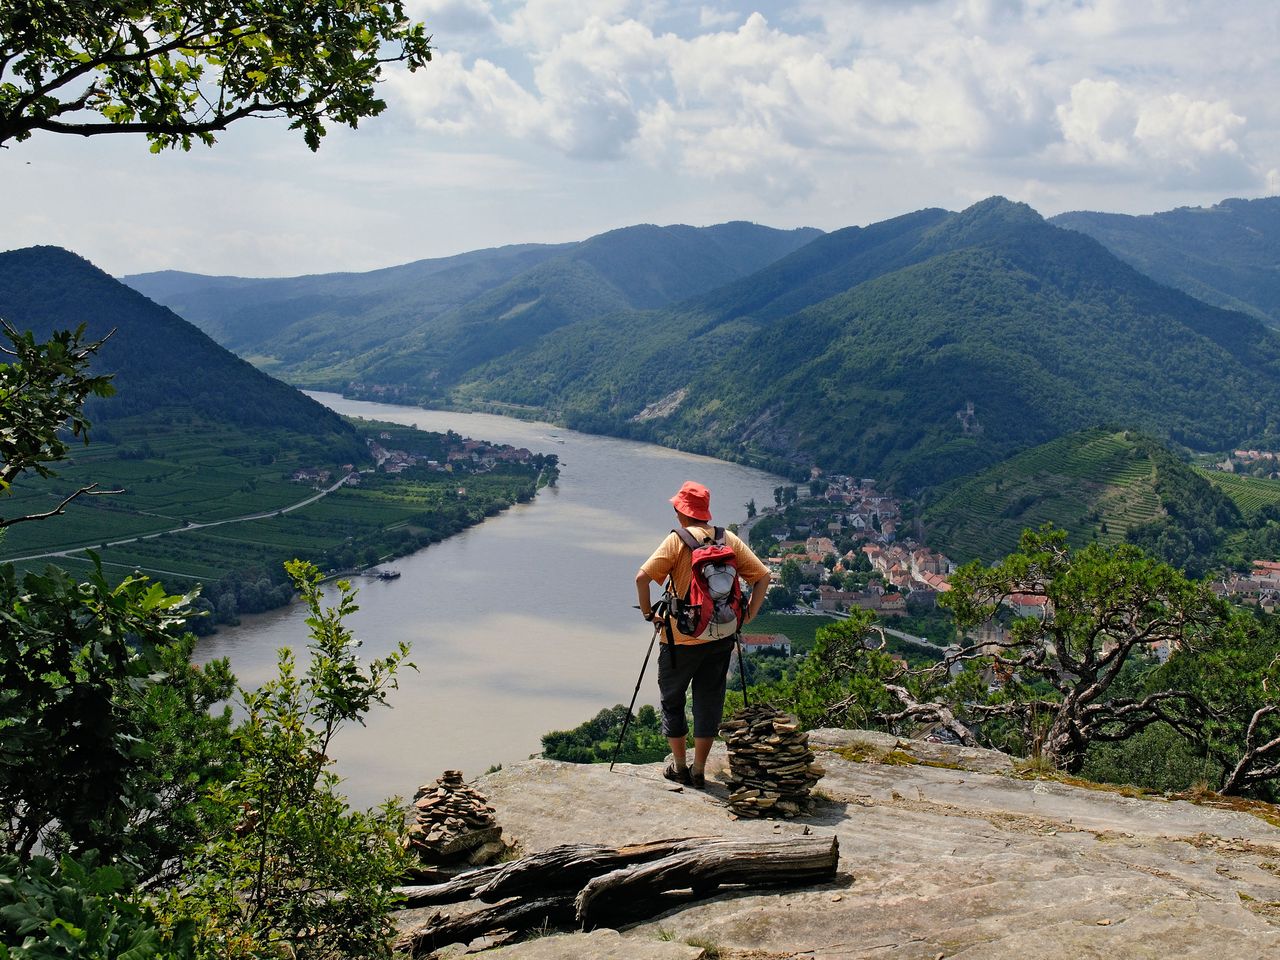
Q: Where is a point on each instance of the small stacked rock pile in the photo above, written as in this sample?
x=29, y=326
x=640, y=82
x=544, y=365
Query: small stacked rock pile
x=454, y=824
x=771, y=768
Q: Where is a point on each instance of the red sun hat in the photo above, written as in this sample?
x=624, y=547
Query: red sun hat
x=693, y=500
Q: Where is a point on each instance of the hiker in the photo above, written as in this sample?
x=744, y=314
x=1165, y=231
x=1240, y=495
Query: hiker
x=684, y=660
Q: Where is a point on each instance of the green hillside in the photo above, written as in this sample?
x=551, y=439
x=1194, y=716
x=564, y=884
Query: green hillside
x=1251, y=495
x=1041, y=329
x=1095, y=484
x=1227, y=254
x=1104, y=485
x=415, y=329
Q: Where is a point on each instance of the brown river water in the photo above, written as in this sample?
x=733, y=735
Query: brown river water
x=520, y=625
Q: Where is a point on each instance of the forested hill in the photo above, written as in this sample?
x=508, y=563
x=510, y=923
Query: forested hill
x=163, y=366
x=423, y=325
x=960, y=339
x=1227, y=254
x=1107, y=485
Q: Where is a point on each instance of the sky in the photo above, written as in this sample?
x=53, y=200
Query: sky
x=554, y=120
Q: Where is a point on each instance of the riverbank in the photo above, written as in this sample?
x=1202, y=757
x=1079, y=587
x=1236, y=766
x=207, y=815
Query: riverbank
x=519, y=625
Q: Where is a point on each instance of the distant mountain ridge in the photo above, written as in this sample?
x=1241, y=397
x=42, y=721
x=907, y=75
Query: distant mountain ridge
x=1227, y=254
x=424, y=324
x=1041, y=329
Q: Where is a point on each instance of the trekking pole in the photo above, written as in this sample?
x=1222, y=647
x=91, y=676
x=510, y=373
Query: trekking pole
x=742, y=670
x=639, y=680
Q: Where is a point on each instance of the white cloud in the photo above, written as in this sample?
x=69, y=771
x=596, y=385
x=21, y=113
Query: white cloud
x=1106, y=123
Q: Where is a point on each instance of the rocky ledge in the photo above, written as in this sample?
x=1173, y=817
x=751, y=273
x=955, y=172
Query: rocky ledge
x=945, y=852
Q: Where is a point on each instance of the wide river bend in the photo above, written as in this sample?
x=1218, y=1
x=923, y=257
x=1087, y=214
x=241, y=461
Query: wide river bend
x=520, y=625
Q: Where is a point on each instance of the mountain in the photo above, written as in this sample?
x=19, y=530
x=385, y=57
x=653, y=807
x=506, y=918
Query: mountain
x=422, y=325
x=1227, y=255
x=193, y=433
x=308, y=318
x=958, y=340
x=162, y=364
x=1097, y=484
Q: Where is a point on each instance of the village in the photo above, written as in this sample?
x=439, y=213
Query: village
x=438, y=453
x=840, y=548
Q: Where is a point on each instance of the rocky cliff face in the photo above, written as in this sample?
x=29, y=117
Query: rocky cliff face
x=944, y=853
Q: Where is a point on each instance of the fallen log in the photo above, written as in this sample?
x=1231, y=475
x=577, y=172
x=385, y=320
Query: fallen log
x=540, y=889
x=461, y=887
x=708, y=864
x=512, y=916
x=568, y=866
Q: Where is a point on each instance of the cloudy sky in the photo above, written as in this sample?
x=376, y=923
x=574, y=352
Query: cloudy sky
x=552, y=120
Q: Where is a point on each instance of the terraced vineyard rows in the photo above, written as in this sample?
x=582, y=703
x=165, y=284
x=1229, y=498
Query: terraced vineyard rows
x=1095, y=485
x=1250, y=494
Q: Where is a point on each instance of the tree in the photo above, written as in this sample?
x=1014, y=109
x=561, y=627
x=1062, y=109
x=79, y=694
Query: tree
x=791, y=576
x=179, y=71
x=1093, y=611
x=43, y=387
x=751, y=508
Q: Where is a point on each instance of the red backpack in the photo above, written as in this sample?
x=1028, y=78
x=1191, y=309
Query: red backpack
x=713, y=607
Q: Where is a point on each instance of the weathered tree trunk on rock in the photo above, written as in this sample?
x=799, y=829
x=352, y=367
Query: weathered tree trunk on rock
x=710, y=863
x=509, y=917
x=589, y=881
x=451, y=891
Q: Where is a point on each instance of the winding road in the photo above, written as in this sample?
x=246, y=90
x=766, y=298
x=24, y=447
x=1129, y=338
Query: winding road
x=188, y=527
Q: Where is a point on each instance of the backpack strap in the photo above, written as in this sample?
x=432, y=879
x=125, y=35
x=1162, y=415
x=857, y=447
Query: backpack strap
x=687, y=538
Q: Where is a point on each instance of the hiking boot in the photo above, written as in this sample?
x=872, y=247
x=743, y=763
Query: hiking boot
x=681, y=776
x=697, y=780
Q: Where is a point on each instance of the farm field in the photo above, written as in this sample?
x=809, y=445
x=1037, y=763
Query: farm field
x=1250, y=494
x=1095, y=485
x=239, y=566
x=169, y=474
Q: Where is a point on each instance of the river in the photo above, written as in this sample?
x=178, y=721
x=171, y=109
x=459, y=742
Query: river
x=520, y=625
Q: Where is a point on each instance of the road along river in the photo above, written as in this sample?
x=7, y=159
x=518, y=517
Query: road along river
x=520, y=625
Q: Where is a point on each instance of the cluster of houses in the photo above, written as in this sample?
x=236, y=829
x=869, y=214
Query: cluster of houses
x=1260, y=587
x=1264, y=463
x=860, y=513
x=464, y=455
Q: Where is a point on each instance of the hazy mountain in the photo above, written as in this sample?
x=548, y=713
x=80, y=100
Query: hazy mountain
x=1227, y=255
x=295, y=319
x=424, y=324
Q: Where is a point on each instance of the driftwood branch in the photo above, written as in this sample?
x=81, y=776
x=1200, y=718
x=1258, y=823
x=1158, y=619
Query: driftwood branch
x=511, y=916
x=459, y=888
x=709, y=864
x=586, y=882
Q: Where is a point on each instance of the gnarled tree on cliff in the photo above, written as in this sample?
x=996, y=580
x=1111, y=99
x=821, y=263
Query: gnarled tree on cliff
x=1085, y=615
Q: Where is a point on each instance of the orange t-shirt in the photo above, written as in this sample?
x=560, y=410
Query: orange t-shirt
x=673, y=559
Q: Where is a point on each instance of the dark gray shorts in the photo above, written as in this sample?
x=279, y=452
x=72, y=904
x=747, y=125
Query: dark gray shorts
x=705, y=666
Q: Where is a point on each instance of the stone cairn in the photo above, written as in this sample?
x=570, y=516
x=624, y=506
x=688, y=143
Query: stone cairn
x=454, y=825
x=771, y=768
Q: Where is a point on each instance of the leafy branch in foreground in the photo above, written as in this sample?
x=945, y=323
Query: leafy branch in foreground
x=178, y=71
x=297, y=873
x=43, y=387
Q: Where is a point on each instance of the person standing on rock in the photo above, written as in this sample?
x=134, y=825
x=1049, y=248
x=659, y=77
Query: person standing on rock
x=685, y=661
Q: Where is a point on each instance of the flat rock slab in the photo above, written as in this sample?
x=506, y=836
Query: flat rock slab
x=597, y=945
x=935, y=859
